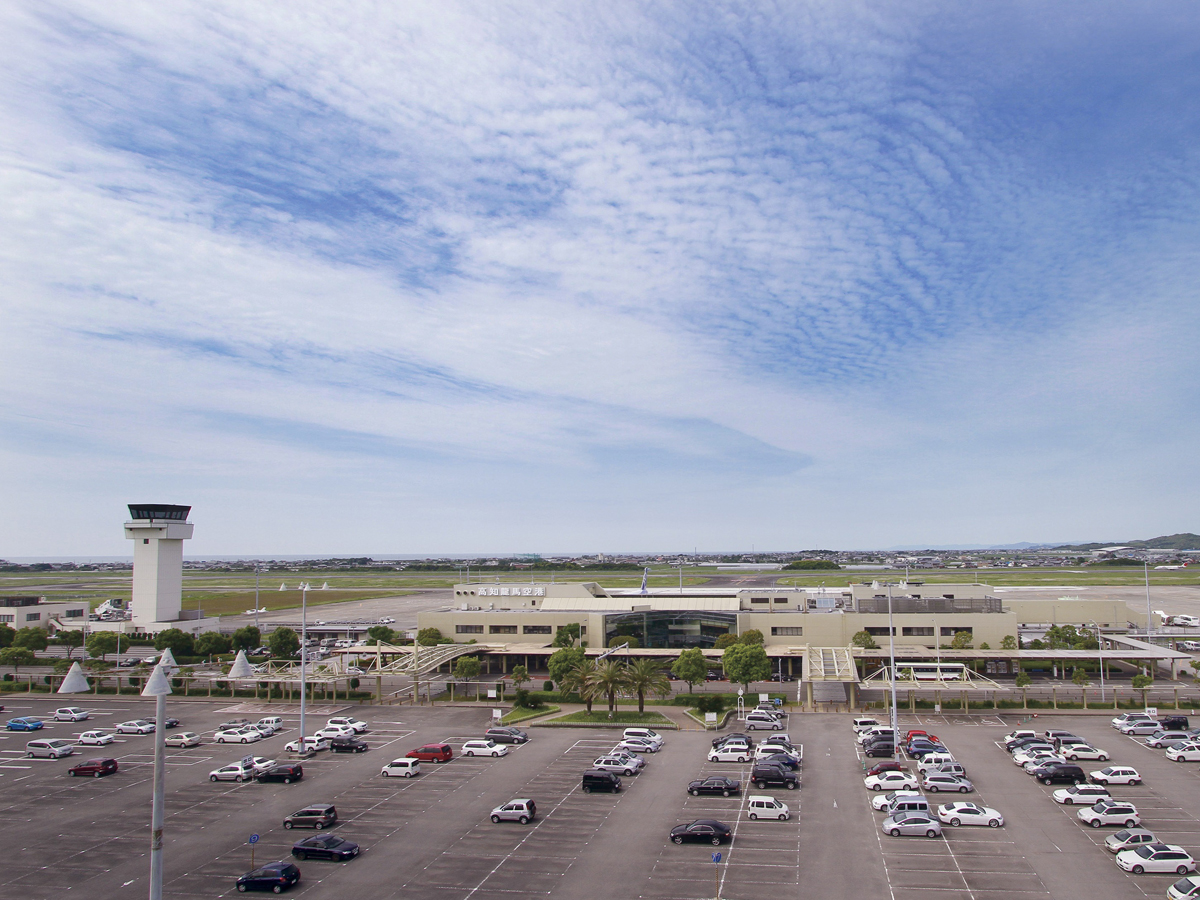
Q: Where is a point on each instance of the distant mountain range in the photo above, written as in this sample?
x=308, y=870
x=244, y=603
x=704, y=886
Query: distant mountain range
x=1184, y=541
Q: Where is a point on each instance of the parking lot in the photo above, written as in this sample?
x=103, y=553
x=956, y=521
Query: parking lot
x=430, y=837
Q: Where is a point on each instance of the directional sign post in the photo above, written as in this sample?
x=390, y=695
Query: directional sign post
x=716, y=858
x=253, y=841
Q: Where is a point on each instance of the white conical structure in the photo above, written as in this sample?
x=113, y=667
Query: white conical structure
x=158, y=685
x=75, y=682
x=168, y=661
x=241, y=667
x=325, y=586
x=283, y=585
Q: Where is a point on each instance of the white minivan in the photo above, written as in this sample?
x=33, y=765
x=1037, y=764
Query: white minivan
x=49, y=748
x=760, y=806
x=758, y=718
x=644, y=734
x=405, y=767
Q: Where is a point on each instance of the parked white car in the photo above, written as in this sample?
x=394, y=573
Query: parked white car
x=404, y=767
x=1110, y=812
x=357, y=725
x=1128, y=718
x=232, y=772
x=1116, y=775
x=336, y=731
x=761, y=806
x=275, y=722
x=734, y=755
x=861, y=725
x=1140, y=726
x=1156, y=858
x=264, y=729
x=891, y=781
x=1187, y=752
x=882, y=801
x=135, y=726
x=770, y=748
x=247, y=734
x=1039, y=756
x=95, y=738
x=638, y=745
x=484, y=748
x=621, y=764
x=962, y=813
x=311, y=742
x=1081, y=794
x=184, y=739
x=70, y=714
x=1083, y=751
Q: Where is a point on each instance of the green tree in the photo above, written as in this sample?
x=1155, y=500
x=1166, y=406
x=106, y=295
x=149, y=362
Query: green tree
x=1008, y=642
x=429, y=637
x=609, y=678
x=519, y=676
x=567, y=635
x=1142, y=683
x=744, y=664
x=983, y=646
x=71, y=638
x=646, y=676
x=212, y=643
x=752, y=637
x=962, y=641
x=724, y=641
x=863, y=639
x=180, y=642
x=618, y=639
x=102, y=643
x=382, y=634
x=17, y=657
x=35, y=639
x=690, y=666
x=7, y=634
x=284, y=642
x=1195, y=664
x=1080, y=677
x=579, y=681
x=467, y=668
x=562, y=661
x=1023, y=681
x=247, y=638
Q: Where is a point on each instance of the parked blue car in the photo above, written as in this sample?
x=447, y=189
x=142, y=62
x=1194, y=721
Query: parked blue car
x=24, y=724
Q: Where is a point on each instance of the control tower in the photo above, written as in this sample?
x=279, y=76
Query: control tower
x=158, y=531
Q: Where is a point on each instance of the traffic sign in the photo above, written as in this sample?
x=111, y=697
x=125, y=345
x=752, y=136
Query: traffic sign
x=254, y=838
x=716, y=857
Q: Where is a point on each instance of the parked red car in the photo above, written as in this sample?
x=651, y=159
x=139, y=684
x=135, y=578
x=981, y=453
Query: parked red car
x=889, y=765
x=94, y=767
x=438, y=753
x=916, y=732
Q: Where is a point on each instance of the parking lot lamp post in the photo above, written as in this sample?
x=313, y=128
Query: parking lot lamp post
x=257, y=569
x=1100, y=653
x=1146, y=563
x=158, y=686
x=303, y=659
x=892, y=653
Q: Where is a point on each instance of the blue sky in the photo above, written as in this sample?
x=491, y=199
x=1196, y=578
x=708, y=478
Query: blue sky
x=523, y=277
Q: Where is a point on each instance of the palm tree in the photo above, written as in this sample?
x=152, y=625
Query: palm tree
x=579, y=681
x=647, y=676
x=609, y=678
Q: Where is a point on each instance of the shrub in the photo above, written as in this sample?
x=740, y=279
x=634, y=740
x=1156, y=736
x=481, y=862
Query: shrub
x=525, y=700
x=548, y=686
x=706, y=703
x=353, y=683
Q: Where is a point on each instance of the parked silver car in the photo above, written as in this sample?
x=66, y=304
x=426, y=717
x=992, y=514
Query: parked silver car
x=911, y=823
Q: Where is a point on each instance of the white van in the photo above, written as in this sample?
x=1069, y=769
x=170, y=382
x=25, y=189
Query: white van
x=49, y=748
x=1188, y=621
x=1189, y=645
x=273, y=721
x=760, y=806
x=931, y=761
x=405, y=767
x=861, y=725
x=908, y=804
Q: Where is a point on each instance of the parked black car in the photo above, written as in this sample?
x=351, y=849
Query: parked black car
x=170, y=723
x=325, y=846
x=708, y=831
x=276, y=876
x=717, y=742
x=1060, y=774
x=505, y=734
x=782, y=760
x=600, y=780
x=1174, y=723
x=285, y=772
x=762, y=776
x=348, y=745
x=880, y=749
x=715, y=784
x=318, y=816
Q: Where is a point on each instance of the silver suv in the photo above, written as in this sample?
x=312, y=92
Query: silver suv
x=522, y=811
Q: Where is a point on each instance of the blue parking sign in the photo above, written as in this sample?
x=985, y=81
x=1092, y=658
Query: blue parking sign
x=716, y=857
x=254, y=838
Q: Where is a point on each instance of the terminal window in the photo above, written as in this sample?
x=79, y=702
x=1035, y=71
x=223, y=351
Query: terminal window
x=33, y=617
x=535, y=629
x=502, y=629
x=787, y=630
x=7, y=618
x=878, y=631
x=468, y=629
x=917, y=631
x=74, y=613
x=760, y=600
x=953, y=630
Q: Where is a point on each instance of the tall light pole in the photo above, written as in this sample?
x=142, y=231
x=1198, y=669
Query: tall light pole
x=1100, y=643
x=158, y=686
x=257, y=569
x=892, y=652
x=1146, y=563
x=303, y=660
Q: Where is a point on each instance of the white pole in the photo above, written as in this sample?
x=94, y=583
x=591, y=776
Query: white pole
x=303, y=659
x=1149, y=619
x=157, y=813
x=892, y=653
x=256, y=599
x=1101, y=654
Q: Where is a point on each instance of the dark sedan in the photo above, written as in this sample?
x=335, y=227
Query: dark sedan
x=715, y=784
x=505, y=734
x=717, y=742
x=170, y=722
x=276, y=876
x=286, y=772
x=706, y=831
x=917, y=749
x=782, y=760
x=348, y=745
x=892, y=766
x=880, y=748
x=325, y=846
x=94, y=767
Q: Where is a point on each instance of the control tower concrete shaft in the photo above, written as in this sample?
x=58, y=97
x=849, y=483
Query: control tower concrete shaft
x=158, y=531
